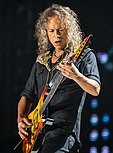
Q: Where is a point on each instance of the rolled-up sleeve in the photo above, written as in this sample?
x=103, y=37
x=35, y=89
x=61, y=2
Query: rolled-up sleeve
x=90, y=67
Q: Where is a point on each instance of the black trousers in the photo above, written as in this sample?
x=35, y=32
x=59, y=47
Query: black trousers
x=54, y=140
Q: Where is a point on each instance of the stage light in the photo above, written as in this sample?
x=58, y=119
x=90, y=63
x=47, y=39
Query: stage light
x=105, y=134
x=94, y=135
x=94, y=103
x=105, y=149
x=93, y=150
x=103, y=57
x=94, y=119
x=106, y=118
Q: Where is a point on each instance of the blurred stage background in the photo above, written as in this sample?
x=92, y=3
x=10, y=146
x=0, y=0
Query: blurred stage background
x=18, y=52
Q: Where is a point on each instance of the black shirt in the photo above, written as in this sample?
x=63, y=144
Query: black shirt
x=63, y=107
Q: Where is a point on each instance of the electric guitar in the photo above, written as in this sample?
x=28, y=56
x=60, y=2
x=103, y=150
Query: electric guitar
x=36, y=116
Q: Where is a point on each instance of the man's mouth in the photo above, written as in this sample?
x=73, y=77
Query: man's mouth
x=58, y=42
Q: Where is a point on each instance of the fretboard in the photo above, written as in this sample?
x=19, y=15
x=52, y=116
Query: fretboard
x=51, y=93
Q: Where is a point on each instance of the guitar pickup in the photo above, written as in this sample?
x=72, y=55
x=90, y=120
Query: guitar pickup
x=49, y=121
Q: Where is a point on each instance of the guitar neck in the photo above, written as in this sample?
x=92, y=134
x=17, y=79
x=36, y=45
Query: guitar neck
x=51, y=93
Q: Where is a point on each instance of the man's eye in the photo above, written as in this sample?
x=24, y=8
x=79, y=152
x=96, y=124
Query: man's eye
x=51, y=31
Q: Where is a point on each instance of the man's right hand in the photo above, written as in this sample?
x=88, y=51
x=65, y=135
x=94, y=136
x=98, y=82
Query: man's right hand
x=22, y=127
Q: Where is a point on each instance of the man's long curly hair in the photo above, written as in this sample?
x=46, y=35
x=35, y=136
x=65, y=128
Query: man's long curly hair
x=72, y=24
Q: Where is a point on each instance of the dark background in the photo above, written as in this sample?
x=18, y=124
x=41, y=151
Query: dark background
x=18, y=52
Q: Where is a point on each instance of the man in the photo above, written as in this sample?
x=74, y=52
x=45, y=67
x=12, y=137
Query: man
x=57, y=30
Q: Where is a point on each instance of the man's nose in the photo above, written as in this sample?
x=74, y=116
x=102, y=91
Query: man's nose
x=57, y=33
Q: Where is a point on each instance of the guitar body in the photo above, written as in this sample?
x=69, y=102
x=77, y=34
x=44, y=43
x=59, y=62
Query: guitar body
x=39, y=124
x=34, y=140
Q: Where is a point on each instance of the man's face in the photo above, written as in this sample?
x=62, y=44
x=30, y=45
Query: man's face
x=57, y=32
